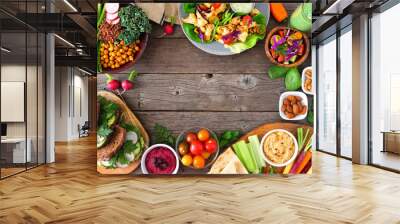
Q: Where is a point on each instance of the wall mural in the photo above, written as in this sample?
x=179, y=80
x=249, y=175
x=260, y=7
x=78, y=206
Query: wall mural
x=204, y=88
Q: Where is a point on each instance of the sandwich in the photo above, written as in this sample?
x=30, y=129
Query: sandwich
x=228, y=163
x=119, y=142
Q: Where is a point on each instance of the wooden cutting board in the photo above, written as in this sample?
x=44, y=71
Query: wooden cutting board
x=129, y=117
x=263, y=129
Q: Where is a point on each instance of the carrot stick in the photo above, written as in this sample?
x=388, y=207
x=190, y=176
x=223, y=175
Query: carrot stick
x=278, y=11
x=307, y=167
x=304, y=162
x=288, y=168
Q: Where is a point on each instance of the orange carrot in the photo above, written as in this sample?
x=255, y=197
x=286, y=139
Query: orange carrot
x=304, y=162
x=278, y=11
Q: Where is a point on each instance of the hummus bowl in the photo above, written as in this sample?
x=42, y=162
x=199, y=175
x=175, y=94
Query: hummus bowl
x=279, y=147
x=160, y=159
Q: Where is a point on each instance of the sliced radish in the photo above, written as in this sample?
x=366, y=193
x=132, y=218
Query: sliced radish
x=111, y=16
x=111, y=7
x=116, y=21
x=130, y=156
x=132, y=136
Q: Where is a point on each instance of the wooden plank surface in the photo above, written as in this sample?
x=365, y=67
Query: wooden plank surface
x=199, y=92
x=181, y=87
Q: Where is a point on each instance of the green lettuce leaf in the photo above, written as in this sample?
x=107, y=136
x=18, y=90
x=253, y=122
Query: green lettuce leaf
x=189, y=7
x=251, y=40
x=189, y=30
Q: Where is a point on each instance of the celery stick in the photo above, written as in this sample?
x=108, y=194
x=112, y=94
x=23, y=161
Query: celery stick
x=254, y=157
x=247, y=158
x=255, y=146
x=238, y=153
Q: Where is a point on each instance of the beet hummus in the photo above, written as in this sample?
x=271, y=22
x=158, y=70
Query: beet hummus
x=160, y=160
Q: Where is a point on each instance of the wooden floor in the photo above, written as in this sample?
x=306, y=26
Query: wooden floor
x=70, y=191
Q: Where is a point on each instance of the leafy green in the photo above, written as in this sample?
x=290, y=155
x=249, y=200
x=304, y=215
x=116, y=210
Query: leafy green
x=104, y=131
x=189, y=7
x=251, y=40
x=228, y=137
x=108, y=111
x=134, y=22
x=189, y=30
x=293, y=79
x=163, y=136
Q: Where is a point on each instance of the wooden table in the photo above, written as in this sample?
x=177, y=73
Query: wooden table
x=180, y=86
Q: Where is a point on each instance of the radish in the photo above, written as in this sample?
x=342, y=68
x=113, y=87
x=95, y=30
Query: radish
x=112, y=84
x=116, y=21
x=128, y=84
x=168, y=29
x=111, y=7
x=111, y=16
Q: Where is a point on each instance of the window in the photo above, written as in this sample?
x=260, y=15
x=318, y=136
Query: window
x=385, y=89
x=346, y=95
x=327, y=96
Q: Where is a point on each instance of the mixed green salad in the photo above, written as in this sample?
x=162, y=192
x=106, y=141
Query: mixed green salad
x=236, y=30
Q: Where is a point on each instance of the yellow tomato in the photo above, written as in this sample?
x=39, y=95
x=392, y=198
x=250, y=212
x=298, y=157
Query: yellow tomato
x=187, y=160
x=199, y=162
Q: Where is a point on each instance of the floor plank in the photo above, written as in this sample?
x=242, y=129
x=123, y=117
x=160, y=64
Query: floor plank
x=70, y=191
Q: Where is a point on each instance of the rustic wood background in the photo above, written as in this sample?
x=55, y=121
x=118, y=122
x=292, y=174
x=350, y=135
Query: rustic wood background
x=180, y=86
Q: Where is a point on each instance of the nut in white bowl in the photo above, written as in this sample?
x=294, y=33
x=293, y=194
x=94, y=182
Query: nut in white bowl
x=303, y=80
x=304, y=102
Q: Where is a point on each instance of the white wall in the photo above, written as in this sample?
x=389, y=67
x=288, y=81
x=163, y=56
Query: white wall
x=69, y=82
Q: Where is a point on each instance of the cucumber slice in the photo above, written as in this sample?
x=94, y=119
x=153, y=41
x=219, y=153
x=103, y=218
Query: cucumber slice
x=101, y=141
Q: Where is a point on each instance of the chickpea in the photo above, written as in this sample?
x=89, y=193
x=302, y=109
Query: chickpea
x=118, y=54
x=125, y=48
x=129, y=53
x=122, y=42
x=136, y=48
x=130, y=58
x=119, y=59
x=116, y=65
x=112, y=66
x=110, y=49
x=124, y=56
x=106, y=51
x=106, y=60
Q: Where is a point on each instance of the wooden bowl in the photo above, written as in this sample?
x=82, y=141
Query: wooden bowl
x=299, y=61
x=144, y=38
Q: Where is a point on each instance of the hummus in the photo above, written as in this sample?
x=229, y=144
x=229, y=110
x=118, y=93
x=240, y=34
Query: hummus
x=160, y=160
x=279, y=147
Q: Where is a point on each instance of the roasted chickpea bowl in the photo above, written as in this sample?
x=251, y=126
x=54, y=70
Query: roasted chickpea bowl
x=117, y=57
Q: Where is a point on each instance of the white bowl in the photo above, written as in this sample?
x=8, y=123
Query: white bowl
x=143, y=161
x=304, y=102
x=296, y=148
x=303, y=79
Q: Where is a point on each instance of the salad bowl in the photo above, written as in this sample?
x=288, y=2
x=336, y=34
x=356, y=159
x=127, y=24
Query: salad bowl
x=215, y=47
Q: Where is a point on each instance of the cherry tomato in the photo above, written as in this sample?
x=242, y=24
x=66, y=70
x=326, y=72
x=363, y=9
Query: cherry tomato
x=203, y=135
x=206, y=155
x=199, y=162
x=190, y=137
x=196, y=148
x=247, y=20
x=183, y=148
x=187, y=160
x=228, y=40
x=211, y=145
x=216, y=5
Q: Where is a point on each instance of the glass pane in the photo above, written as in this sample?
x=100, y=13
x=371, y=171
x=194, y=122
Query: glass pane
x=385, y=84
x=346, y=94
x=41, y=99
x=327, y=96
x=31, y=100
x=13, y=87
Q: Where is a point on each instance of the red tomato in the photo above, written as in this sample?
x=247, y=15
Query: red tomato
x=190, y=137
x=281, y=58
x=247, y=19
x=203, y=135
x=229, y=40
x=216, y=5
x=196, y=148
x=281, y=33
x=301, y=50
x=211, y=145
